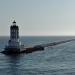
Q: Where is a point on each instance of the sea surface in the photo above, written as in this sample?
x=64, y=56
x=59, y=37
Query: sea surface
x=55, y=60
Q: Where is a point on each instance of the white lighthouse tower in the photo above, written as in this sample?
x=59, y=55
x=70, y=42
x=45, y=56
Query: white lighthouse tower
x=14, y=44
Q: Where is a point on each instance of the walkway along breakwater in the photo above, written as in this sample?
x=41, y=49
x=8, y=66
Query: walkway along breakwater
x=14, y=45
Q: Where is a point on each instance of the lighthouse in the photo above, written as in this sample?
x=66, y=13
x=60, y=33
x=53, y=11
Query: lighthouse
x=14, y=44
x=14, y=36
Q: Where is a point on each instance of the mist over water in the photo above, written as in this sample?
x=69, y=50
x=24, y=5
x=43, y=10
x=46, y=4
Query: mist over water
x=55, y=60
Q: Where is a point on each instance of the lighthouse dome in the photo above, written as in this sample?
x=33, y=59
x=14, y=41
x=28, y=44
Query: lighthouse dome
x=14, y=21
x=14, y=26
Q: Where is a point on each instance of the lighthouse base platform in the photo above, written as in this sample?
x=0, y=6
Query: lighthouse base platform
x=22, y=50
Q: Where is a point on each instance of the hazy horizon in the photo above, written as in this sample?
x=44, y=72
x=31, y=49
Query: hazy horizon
x=38, y=17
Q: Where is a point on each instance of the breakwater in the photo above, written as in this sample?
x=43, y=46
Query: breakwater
x=42, y=46
x=36, y=47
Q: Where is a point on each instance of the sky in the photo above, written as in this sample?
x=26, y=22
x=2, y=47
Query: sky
x=38, y=17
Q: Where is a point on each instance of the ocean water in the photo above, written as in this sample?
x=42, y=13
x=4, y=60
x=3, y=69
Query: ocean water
x=55, y=60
